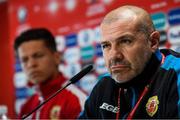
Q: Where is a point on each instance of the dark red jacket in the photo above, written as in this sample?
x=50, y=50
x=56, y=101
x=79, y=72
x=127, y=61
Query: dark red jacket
x=67, y=104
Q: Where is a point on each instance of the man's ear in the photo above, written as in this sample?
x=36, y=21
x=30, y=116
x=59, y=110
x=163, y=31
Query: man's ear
x=154, y=40
x=58, y=57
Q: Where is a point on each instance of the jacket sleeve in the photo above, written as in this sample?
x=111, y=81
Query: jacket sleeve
x=172, y=86
x=172, y=108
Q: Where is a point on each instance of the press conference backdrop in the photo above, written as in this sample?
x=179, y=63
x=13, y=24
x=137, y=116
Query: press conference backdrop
x=75, y=24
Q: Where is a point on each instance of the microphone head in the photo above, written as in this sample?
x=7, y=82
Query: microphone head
x=81, y=74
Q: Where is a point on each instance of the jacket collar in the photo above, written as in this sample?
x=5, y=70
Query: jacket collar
x=51, y=86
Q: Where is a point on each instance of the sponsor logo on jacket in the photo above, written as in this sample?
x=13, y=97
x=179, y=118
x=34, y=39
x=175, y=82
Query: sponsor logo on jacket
x=108, y=107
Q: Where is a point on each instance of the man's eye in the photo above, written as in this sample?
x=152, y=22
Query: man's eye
x=38, y=55
x=126, y=41
x=104, y=46
x=24, y=60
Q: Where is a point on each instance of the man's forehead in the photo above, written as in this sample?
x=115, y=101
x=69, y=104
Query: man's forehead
x=117, y=28
x=119, y=14
x=31, y=46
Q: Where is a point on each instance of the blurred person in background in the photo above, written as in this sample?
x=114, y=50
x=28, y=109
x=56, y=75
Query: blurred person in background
x=144, y=82
x=39, y=58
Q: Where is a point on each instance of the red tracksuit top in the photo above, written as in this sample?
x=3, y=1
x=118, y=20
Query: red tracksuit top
x=66, y=105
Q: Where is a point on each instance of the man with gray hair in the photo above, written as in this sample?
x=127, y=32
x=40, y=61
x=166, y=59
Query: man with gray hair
x=144, y=82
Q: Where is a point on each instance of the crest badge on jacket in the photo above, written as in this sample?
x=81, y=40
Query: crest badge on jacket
x=55, y=112
x=152, y=105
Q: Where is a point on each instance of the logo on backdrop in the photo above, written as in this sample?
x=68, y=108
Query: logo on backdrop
x=60, y=42
x=159, y=20
x=72, y=55
x=100, y=66
x=174, y=16
x=174, y=34
x=22, y=14
x=71, y=40
x=87, y=53
x=85, y=37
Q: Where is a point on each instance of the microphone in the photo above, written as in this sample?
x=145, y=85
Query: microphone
x=74, y=79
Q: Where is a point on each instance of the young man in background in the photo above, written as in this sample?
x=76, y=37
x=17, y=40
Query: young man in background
x=39, y=58
x=144, y=82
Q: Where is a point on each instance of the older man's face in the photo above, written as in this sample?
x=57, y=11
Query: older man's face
x=125, y=50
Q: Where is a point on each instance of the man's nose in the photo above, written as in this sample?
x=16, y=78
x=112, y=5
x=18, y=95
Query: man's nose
x=116, y=52
x=31, y=63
